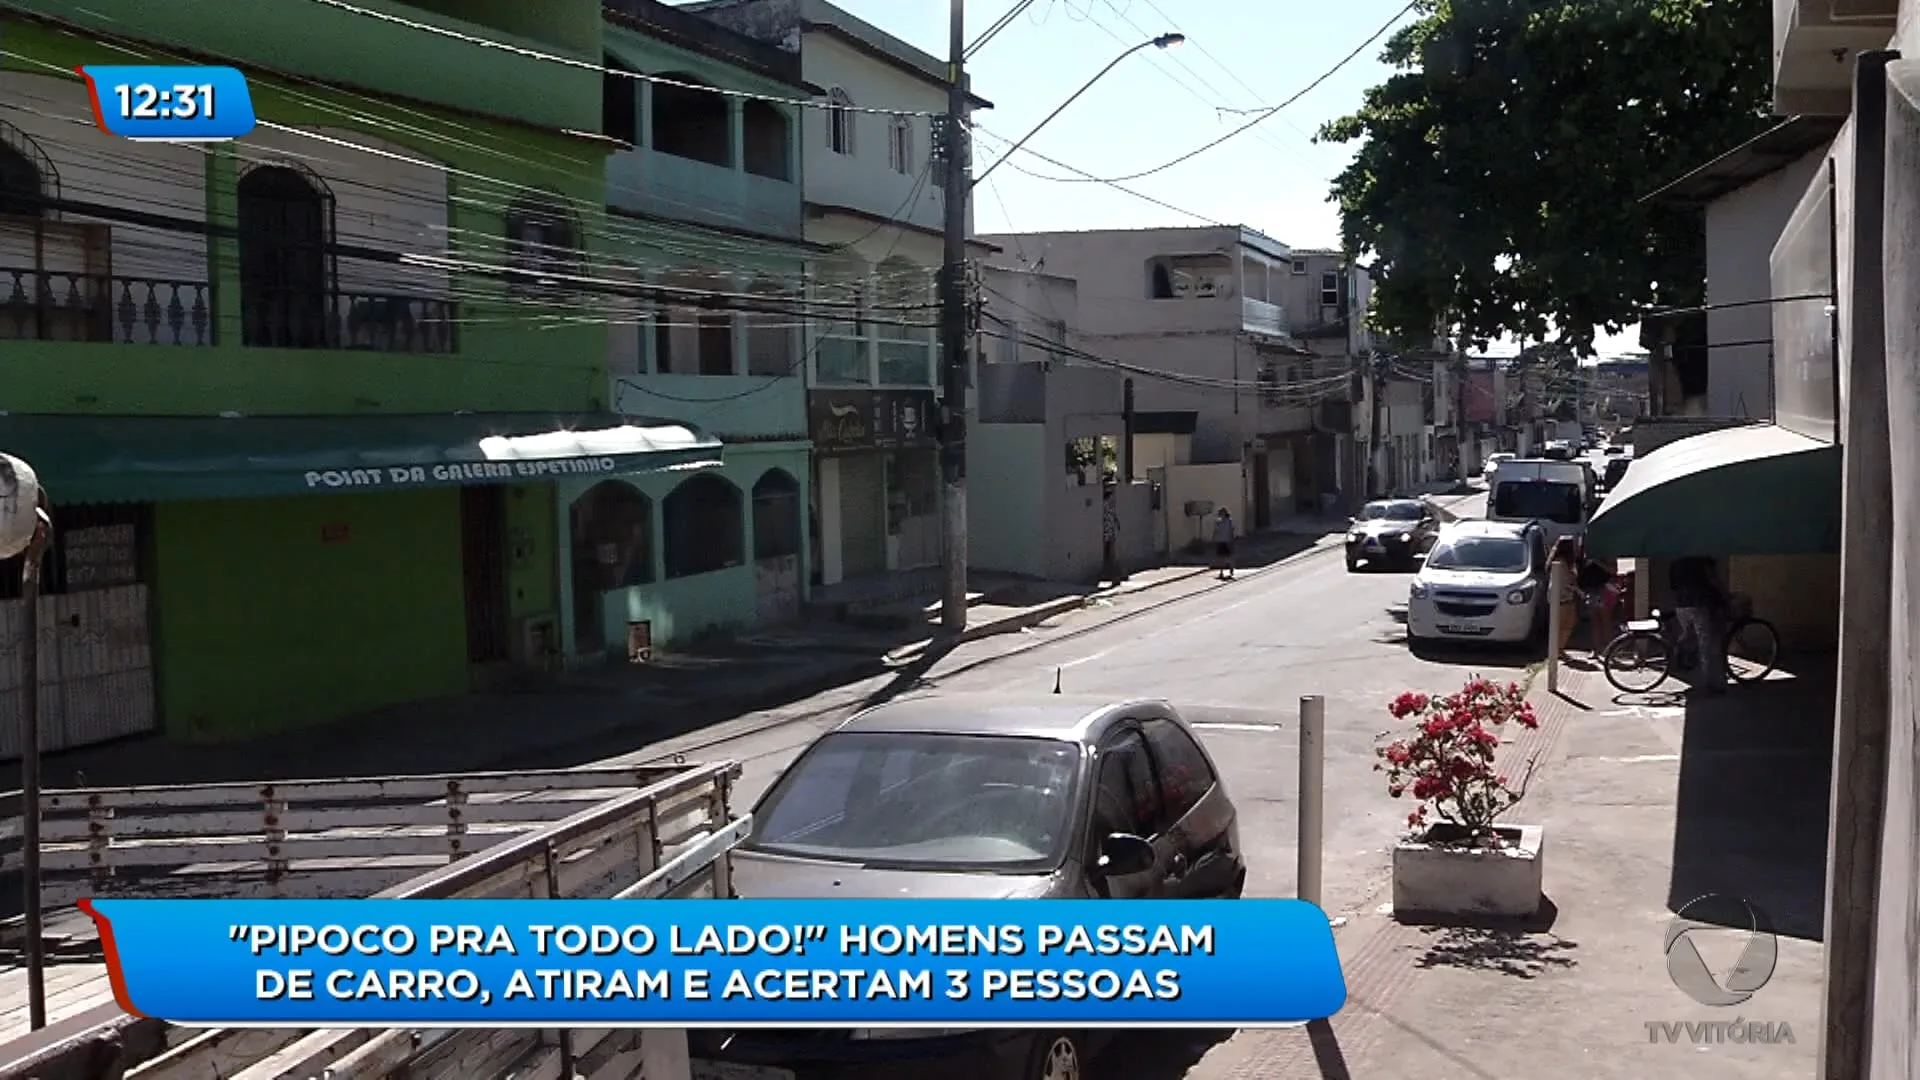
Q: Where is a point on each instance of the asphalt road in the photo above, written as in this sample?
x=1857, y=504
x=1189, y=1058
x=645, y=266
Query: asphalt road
x=1235, y=660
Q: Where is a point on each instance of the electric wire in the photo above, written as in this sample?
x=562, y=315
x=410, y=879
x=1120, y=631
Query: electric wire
x=1258, y=118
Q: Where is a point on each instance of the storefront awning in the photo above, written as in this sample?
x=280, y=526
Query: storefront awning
x=1752, y=490
x=96, y=459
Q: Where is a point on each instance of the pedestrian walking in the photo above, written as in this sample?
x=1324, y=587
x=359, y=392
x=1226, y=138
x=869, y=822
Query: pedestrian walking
x=1701, y=604
x=1110, y=538
x=1224, y=535
x=1566, y=552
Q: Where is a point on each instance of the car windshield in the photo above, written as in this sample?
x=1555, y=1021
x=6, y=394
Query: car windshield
x=1501, y=554
x=1536, y=500
x=1398, y=510
x=925, y=800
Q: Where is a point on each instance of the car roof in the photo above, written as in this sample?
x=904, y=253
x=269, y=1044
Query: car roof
x=1512, y=530
x=1067, y=717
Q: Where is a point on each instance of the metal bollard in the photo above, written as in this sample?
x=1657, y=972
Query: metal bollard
x=1313, y=790
x=1557, y=586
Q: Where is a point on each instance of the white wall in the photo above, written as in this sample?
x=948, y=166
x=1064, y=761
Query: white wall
x=1110, y=268
x=863, y=179
x=1742, y=228
x=94, y=167
x=382, y=199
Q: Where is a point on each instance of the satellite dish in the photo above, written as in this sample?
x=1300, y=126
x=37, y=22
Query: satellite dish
x=19, y=505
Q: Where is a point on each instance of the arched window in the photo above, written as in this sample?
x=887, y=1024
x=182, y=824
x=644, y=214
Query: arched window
x=612, y=536
x=544, y=247
x=27, y=175
x=768, y=145
x=840, y=116
x=703, y=526
x=286, y=258
x=690, y=121
x=900, y=145
x=776, y=515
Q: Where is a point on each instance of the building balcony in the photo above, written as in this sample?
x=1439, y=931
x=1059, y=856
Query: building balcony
x=755, y=408
x=1260, y=317
x=648, y=181
x=372, y=322
x=59, y=306
x=43, y=305
x=1814, y=42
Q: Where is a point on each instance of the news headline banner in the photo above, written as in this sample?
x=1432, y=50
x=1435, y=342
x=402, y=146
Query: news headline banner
x=694, y=963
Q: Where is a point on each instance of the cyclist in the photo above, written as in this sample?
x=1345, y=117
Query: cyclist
x=1702, y=603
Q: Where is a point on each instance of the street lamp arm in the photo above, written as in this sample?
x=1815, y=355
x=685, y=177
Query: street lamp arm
x=1164, y=41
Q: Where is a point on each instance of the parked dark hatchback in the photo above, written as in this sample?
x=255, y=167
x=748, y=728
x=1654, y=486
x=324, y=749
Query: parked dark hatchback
x=961, y=796
x=1390, y=532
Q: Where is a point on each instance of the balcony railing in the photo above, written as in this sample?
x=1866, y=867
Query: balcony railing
x=375, y=322
x=50, y=305
x=47, y=305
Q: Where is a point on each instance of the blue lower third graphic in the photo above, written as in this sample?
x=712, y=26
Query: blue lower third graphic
x=695, y=963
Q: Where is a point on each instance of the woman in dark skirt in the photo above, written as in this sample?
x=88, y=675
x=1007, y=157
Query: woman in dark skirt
x=1223, y=537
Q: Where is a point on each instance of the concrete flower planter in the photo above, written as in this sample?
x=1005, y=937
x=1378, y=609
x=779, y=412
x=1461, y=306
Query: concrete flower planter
x=1434, y=878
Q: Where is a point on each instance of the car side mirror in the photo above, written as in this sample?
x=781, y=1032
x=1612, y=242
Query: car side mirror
x=1123, y=854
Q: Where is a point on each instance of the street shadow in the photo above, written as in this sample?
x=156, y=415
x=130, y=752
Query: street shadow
x=1752, y=808
x=1157, y=1055
x=1520, y=949
x=566, y=722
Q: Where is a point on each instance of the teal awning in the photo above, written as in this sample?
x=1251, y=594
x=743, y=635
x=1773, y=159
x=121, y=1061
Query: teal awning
x=93, y=459
x=1752, y=490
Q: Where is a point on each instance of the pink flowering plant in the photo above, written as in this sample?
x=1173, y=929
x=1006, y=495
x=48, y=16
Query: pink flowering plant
x=1447, y=764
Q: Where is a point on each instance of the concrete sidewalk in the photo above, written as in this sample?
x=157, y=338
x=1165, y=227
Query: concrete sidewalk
x=1647, y=804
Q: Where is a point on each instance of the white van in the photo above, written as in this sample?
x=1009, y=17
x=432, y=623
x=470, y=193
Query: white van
x=1560, y=495
x=1483, y=581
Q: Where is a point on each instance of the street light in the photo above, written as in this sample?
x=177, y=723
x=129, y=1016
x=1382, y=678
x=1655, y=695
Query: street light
x=1164, y=41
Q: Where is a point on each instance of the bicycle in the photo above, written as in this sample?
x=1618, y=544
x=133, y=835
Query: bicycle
x=1659, y=647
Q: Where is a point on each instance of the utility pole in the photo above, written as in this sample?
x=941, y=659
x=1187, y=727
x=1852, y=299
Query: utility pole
x=1461, y=374
x=1864, y=701
x=953, y=334
x=1374, y=438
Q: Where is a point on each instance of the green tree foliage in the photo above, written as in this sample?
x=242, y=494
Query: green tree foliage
x=1498, y=178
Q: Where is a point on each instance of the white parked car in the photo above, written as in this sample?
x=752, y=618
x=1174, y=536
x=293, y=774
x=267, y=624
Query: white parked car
x=1493, y=463
x=1483, y=581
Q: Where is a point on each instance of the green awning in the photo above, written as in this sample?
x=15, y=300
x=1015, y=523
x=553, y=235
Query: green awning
x=1758, y=489
x=95, y=459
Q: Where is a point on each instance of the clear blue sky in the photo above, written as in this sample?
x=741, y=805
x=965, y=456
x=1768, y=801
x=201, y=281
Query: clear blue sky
x=1157, y=105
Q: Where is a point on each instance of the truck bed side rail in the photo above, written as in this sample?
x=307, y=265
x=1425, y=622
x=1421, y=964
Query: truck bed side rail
x=310, y=839
x=671, y=839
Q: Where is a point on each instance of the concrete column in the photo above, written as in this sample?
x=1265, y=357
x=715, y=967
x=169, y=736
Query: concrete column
x=645, y=108
x=737, y=134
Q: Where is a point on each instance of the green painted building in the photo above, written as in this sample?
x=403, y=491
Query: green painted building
x=704, y=216
x=312, y=406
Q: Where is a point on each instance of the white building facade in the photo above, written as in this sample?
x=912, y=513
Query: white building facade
x=872, y=189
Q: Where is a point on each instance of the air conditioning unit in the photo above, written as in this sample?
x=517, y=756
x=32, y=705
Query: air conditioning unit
x=1207, y=287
